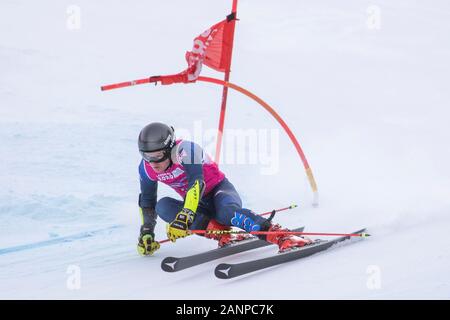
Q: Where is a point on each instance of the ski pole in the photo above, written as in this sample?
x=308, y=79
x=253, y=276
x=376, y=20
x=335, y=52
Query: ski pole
x=362, y=235
x=262, y=214
x=278, y=210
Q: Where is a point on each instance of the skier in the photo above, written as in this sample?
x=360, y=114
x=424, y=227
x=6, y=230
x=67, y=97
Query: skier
x=210, y=201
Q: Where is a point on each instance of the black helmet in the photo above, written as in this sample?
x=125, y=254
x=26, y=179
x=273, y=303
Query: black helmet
x=156, y=136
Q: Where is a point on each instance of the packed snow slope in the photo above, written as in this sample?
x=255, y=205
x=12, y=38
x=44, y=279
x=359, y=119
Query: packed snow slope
x=364, y=85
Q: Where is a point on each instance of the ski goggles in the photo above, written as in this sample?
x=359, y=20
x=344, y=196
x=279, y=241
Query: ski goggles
x=154, y=156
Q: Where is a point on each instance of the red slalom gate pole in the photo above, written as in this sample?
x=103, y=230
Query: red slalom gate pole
x=125, y=84
x=262, y=214
x=308, y=170
x=223, y=105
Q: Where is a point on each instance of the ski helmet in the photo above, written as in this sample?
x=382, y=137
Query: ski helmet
x=154, y=137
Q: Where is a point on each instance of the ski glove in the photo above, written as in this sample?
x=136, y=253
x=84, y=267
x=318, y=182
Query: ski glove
x=179, y=228
x=146, y=244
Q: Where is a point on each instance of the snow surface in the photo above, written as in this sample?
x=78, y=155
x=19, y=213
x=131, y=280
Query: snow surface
x=368, y=102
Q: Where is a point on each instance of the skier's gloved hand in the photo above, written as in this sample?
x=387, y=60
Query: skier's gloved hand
x=146, y=243
x=179, y=228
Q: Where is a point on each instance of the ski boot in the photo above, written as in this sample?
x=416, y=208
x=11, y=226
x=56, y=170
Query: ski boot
x=224, y=239
x=286, y=242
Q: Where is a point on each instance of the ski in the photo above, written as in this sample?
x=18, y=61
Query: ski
x=228, y=271
x=173, y=264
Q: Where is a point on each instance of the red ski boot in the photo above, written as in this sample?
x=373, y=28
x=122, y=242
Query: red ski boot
x=225, y=238
x=286, y=242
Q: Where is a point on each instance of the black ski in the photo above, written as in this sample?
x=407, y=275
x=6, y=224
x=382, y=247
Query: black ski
x=228, y=271
x=173, y=264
